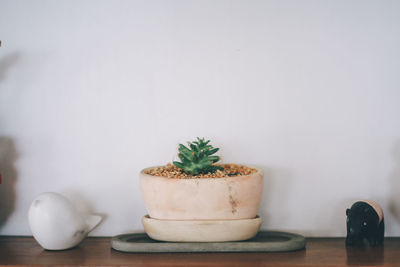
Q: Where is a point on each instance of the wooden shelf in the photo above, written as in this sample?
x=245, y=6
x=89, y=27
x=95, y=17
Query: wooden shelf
x=97, y=251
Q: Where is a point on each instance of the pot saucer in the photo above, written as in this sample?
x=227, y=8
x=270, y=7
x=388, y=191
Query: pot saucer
x=264, y=241
x=201, y=230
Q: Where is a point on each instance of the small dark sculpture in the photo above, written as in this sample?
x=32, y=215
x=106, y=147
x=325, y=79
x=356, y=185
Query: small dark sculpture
x=365, y=221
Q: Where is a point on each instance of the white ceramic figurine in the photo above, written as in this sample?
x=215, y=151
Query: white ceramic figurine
x=56, y=224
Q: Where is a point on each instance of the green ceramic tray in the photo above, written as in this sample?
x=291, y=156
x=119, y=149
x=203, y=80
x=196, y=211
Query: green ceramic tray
x=265, y=241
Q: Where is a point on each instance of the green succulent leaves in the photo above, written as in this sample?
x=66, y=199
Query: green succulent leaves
x=197, y=157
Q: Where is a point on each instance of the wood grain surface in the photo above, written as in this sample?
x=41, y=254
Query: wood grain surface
x=24, y=251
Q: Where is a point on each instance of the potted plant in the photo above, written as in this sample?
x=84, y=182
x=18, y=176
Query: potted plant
x=197, y=189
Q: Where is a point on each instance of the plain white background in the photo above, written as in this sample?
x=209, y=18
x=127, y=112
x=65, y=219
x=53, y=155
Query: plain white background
x=91, y=92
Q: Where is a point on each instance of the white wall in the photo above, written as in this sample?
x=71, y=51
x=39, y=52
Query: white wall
x=91, y=92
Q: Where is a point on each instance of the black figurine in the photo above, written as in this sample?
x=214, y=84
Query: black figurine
x=365, y=220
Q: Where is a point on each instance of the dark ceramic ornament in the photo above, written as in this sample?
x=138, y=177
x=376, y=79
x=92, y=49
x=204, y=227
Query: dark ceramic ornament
x=365, y=221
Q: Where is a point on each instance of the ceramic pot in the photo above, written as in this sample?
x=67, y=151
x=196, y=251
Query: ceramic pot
x=56, y=224
x=230, y=198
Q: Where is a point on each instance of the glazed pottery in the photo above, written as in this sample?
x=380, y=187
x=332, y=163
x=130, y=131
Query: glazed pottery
x=56, y=224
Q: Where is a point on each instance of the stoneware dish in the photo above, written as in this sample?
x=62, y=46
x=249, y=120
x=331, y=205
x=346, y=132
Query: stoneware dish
x=201, y=231
x=230, y=198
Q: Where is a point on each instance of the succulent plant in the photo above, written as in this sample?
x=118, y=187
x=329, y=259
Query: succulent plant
x=197, y=157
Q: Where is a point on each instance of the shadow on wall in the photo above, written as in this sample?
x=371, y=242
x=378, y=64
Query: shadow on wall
x=6, y=62
x=8, y=156
x=277, y=183
x=394, y=201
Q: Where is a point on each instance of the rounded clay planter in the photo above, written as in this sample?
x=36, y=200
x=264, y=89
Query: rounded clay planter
x=230, y=198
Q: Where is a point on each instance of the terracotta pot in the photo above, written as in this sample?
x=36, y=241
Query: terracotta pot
x=230, y=198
